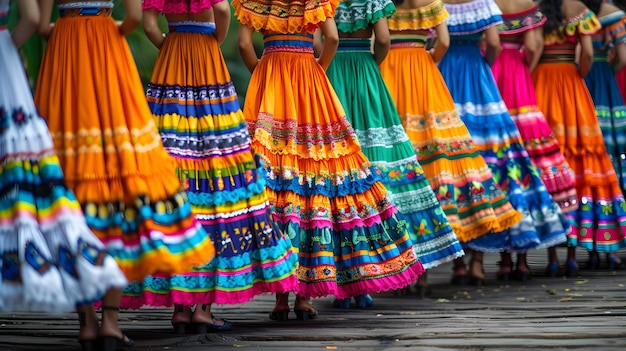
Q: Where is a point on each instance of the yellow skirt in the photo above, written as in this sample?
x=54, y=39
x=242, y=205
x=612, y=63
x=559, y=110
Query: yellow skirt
x=111, y=153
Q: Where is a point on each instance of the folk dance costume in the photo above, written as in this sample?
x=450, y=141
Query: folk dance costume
x=605, y=93
x=324, y=193
x=372, y=113
x=195, y=106
x=565, y=101
x=49, y=259
x=515, y=83
x=463, y=183
x=109, y=148
x=480, y=106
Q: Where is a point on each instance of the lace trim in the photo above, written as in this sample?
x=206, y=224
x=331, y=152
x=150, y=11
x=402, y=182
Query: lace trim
x=360, y=14
x=419, y=19
x=473, y=17
x=585, y=23
x=284, y=16
x=83, y=4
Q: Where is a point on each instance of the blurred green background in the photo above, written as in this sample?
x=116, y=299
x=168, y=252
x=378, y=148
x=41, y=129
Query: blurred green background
x=143, y=51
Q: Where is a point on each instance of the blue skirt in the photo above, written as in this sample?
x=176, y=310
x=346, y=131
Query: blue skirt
x=481, y=108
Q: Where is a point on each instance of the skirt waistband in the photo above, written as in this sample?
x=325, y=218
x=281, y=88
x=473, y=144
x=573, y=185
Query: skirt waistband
x=408, y=41
x=510, y=45
x=355, y=44
x=192, y=27
x=301, y=43
x=86, y=8
x=600, y=56
x=558, y=56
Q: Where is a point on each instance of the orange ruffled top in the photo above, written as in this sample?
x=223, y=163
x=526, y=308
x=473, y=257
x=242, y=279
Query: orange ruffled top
x=422, y=18
x=585, y=23
x=284, y=16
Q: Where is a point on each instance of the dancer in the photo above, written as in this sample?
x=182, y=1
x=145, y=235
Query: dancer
x=610, y=107
x=370, y=109
x=110, y=151
x=521, y=40
x=563, y=98
x=324, y=192
x=196, y=110
x=468, y=76
x=464, y=185
x=50, y=261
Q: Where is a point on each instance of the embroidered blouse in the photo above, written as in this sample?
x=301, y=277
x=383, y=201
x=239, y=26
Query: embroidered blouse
x=284, y=16
x=473, y=17
x=613, y=31
x=585, y=23
x=354, y=15
x=422, y=18
x=178, y=6
x=520, y=22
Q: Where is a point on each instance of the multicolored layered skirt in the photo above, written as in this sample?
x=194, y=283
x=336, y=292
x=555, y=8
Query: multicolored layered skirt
x=196, y=110
x=600, y=221
x=110, y=150
x=513, y=78
x=372, y=113
x=481, y=108
x=49, y=259
x=463, y=184
x=324, y=193
x=611, y=112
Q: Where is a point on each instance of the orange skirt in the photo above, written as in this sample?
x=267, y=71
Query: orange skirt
x=323, y=191
x=111, y=153
x=464, y=185
x=600, y=222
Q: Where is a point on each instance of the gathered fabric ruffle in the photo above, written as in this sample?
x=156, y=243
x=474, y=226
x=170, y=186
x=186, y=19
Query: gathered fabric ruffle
x=598, y=224
x=459, y=176
x=111, y=153
x=350, y=244
x=284, y=16
x=363, y=94
x=206, y=134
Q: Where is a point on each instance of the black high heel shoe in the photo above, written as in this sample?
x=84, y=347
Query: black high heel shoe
x=203, y=327
x=114, y=343
x=522, y=276
x=181, y=328
x=504, y=274
x=281, y=316
x=477, y=281
x=594, y=261
x=458, y=279
x=86, y=344
x=303, y=315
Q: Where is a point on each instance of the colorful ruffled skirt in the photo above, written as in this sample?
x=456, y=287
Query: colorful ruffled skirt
x=611, y=113
x=110, y=150
x=481, y=108
x=600, y=221
x=197, y=113
x=621, y=82
x=373, y=115
x=49, y=259
x=462, y=182
x=324, y=193
x=518, y=93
